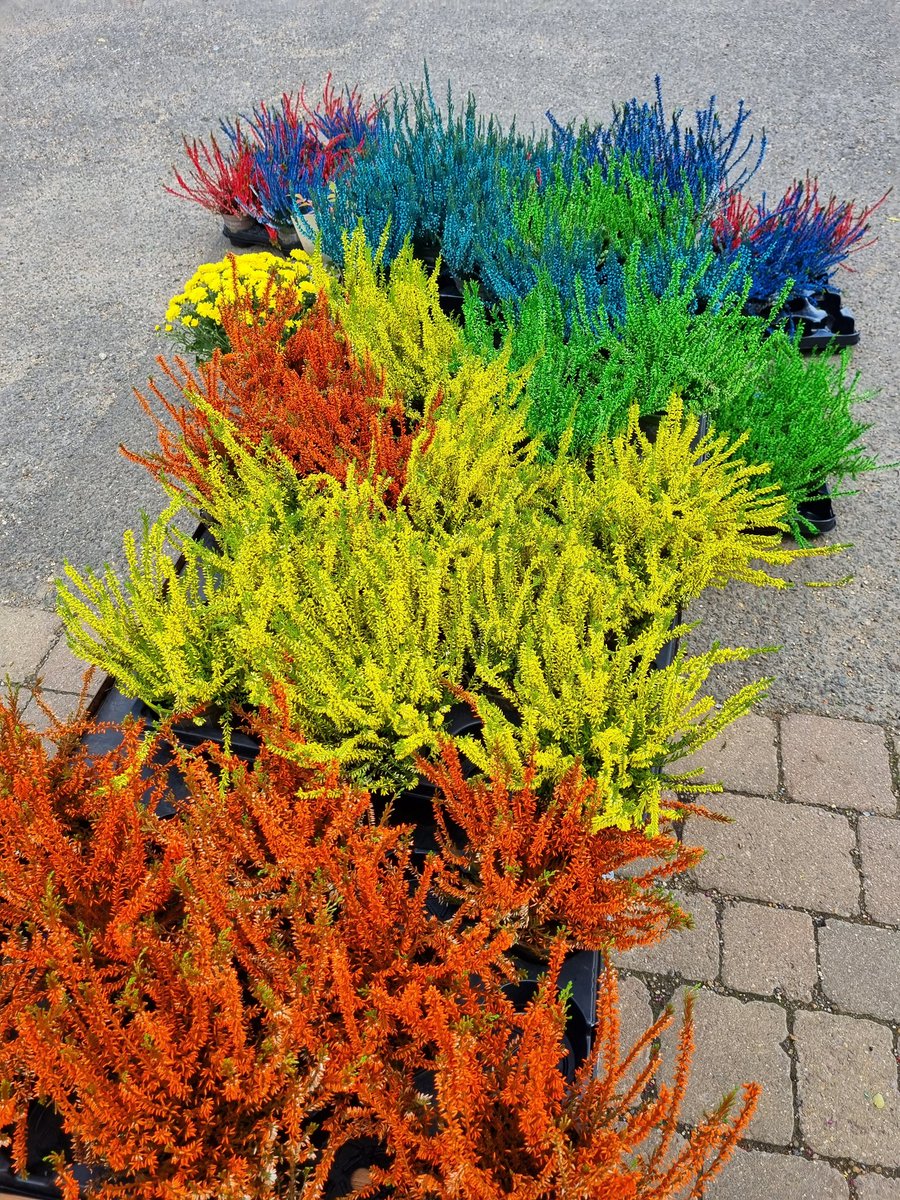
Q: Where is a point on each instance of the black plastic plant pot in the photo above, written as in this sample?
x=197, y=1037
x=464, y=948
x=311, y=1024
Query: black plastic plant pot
x=44, y=1136
x=246, y=233
x=818, y=513
x=580, y=972
x=450, y=291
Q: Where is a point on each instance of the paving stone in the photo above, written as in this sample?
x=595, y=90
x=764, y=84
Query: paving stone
x=743, y=758
x=879, y=839
x=26, y=634
x=635, y=1015
x=690, y=953
x=773, y=850
x=769, y=949
x=63, y=672
x=876, y=1187
x=861, y=968
x=844, y=764
x=754, y=1174
x=737, y=1042
x=844, y=1065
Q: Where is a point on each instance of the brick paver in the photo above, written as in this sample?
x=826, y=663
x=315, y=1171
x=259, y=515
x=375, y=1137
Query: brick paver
x=847, y=1088
x=743, y=758
x=737, y=1042
x=861, y=968
x=63, y=672
x=879, y=843
x=768, y=950
x=877, y=1187
x=26, y=634
x=843, y=764
x=787, y=853
x=689, y=953
x=757, y=1175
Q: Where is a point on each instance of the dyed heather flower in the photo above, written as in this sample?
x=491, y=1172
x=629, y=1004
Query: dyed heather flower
x=800, y=240
x=707, y=158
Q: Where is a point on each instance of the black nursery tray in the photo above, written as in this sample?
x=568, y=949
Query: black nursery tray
x=824, y=322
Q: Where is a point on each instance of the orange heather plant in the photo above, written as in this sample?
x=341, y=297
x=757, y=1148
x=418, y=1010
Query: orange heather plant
x=530, y=863
x=175, y=988
x=290, y=380
x=492, y=1117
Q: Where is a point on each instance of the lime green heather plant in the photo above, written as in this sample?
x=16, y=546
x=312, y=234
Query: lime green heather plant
x=371, y=621
x=798, y=412
x=394, y=317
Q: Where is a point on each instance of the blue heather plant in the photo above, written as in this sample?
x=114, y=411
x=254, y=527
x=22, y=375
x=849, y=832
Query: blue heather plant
x=799, y=241
x=707, y=158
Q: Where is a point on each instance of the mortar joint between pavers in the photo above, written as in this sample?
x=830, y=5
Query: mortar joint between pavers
x=856, y=859
x=665, y=985
x=779, y=756
x=719, y=909
x=30, y=678
x=848, y=1167
x=790, y=1049
x=893, y=749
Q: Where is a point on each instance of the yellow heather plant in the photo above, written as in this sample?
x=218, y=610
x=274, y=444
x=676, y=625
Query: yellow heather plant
x=393, y=318
x=371, y=626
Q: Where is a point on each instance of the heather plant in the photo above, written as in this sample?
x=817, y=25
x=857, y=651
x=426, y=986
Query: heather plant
x=798, y=244
x=197, y=996
x=274, y=153
x=798, y=414
x=372, y=624
x=291, y=380
x=588, y=368
x=497, y=1120
x=393, y=317
x=427, y=177
x=584, y=378
x=707, y=159
x=194, y=316
x=519, y=859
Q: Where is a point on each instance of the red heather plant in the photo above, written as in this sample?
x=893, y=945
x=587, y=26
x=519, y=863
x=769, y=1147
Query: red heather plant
x=492, y=1116
x=220, y=181
x=303, y=392
x=530, y=863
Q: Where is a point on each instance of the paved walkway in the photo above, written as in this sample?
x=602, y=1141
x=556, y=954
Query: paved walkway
x=795, y=949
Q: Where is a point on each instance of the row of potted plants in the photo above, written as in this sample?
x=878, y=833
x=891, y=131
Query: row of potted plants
x=626, y=258
x=358, y=942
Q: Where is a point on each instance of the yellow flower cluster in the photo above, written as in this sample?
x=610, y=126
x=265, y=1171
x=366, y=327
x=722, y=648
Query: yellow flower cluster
x=215, y=284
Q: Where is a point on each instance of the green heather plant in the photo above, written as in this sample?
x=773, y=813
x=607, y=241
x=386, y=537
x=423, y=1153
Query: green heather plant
x=795, y=412
x=798, y=412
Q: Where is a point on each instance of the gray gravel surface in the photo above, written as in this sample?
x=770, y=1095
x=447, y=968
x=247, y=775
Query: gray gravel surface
x=97, y=95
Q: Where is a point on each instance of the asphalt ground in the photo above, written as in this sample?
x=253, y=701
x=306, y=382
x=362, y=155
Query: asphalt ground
x=97, y=96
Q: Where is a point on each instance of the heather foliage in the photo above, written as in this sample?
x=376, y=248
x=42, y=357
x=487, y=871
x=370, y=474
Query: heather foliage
x=558, y=593
x=498, y=1121
x=798, y=244
x=276, y=153
x=219, y=1003
x=707, y=159
x=393, y=318
x=531, y=863
x=290, y=381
